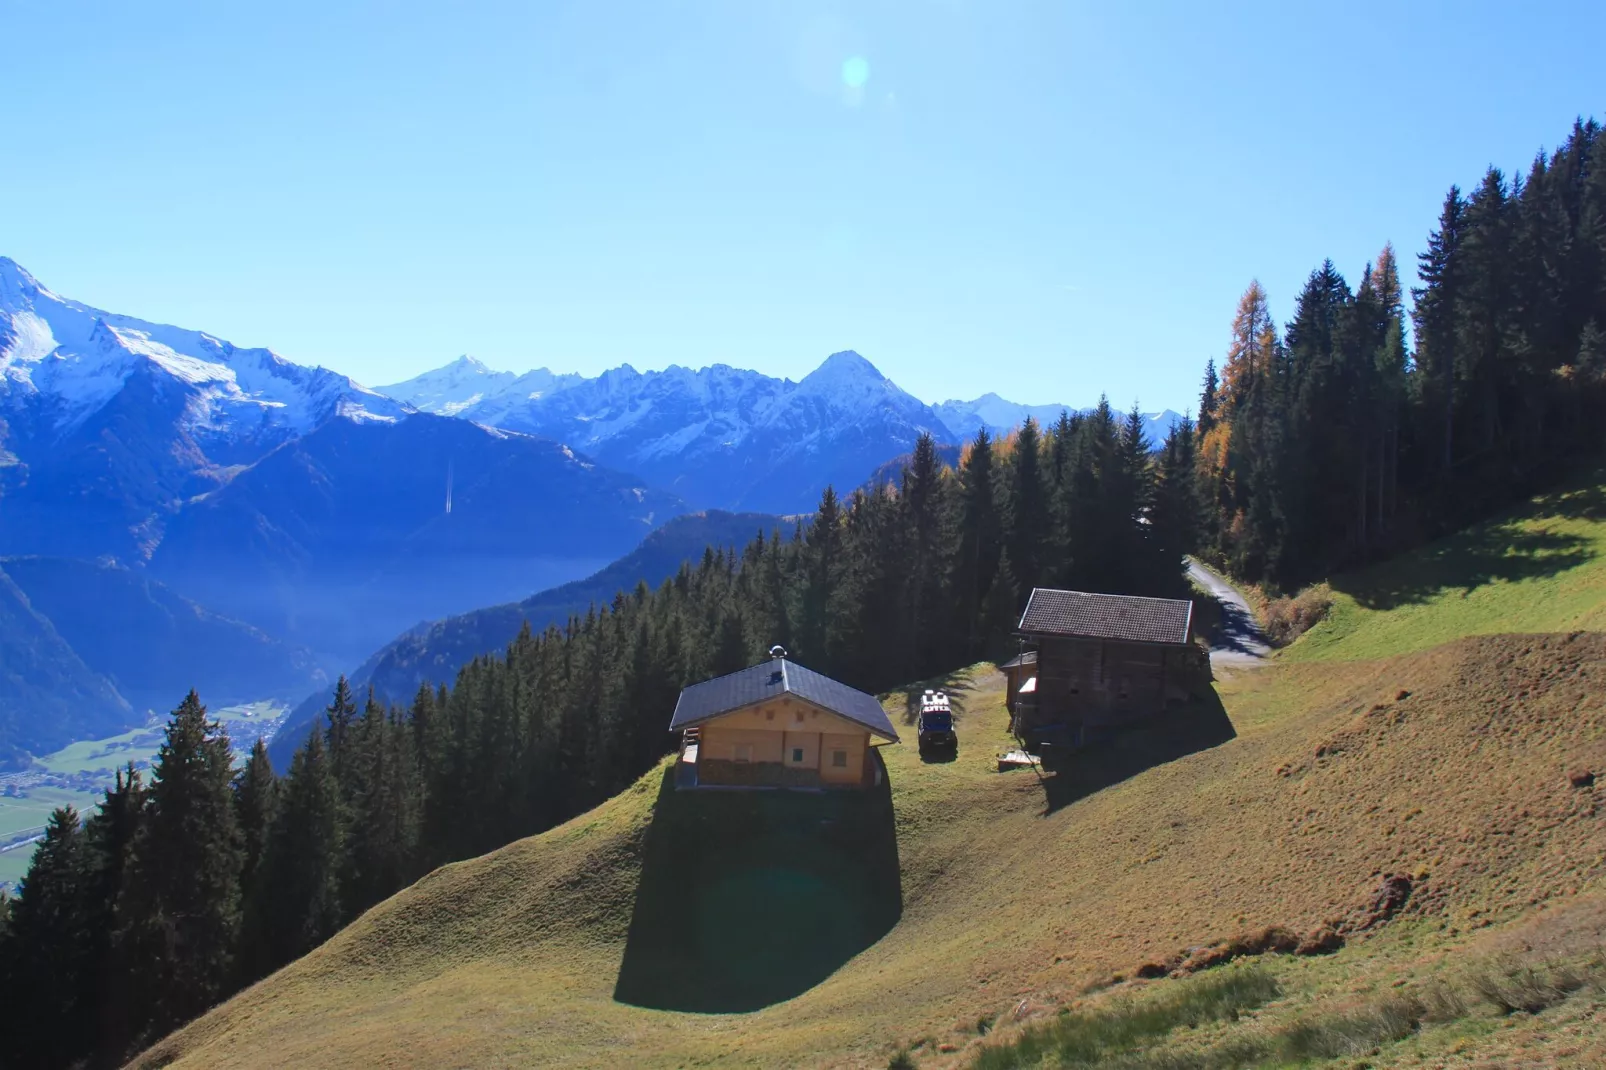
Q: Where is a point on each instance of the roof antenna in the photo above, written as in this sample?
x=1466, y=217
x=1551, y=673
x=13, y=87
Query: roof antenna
x=778, y=652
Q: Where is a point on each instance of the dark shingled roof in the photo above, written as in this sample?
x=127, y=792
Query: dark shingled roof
x=1107, y=616
x=711, y=698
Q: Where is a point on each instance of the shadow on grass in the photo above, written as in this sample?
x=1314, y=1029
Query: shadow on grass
x=1587, y=502
x=1465, y=562
x=1182, y=730
x=750, y=898
x=1502, y=549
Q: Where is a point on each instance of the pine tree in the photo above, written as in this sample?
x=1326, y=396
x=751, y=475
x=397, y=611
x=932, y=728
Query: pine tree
x=923, y=508
x=256, y=797
x=1437, y=304
x=179, y=908
x=978, y=542
x=821, y=566
x=300, y=885
x=44, y=982
x=339, y=717
x=1002, y=609
x=1208, y=399
x=1028, y=519
x=384, y=831
x=109, y=842
x=1174, y=519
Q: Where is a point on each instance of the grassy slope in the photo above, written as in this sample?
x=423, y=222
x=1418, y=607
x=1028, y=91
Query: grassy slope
x=1541, y=568
x=1019, y=894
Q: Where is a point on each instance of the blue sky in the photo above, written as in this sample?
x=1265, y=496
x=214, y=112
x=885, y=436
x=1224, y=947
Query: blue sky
x=1047, y=200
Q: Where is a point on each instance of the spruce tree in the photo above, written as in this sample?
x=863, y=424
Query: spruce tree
x=384, y=829
x=978, y=542
x=1173, y=520
x=300, y=885
x=821, y=565
x=45, y=989
x=1028, y=520
x=923, y=507
x=109, y=840
x=340, y=717
x=179, y=909
x=1002, y=609
x=256, y=798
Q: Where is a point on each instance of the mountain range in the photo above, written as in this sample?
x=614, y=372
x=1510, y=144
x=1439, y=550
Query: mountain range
x=108, y=424
x=288, y=501
x=719, y=437
x=311, y=520
x=724, y=437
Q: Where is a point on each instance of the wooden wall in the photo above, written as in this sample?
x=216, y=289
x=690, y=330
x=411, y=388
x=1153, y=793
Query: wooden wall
x=775, y=730
x=1105, y=682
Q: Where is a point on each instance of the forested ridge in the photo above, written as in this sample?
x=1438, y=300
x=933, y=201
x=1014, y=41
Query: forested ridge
x=1317, y=446
x=1332, y=442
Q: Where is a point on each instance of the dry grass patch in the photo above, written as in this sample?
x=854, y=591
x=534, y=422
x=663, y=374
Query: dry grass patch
x=1011, y=906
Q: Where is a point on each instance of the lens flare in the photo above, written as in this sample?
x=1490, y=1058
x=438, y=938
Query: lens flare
x=855, y=72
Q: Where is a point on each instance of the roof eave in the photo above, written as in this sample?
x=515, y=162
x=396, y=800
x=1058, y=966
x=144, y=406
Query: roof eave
x=675, y=726
x=1100, y=638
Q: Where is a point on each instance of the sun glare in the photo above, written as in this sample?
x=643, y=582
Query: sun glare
x=855, y=72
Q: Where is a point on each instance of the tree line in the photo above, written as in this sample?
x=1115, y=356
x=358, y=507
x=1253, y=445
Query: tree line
x=1331, y=443
x=1319, y=445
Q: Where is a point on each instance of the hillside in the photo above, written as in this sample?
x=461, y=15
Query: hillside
x=1540, y=567
x=153, y=645
x=1459, y=766
x=344, y=537
x=47, y=694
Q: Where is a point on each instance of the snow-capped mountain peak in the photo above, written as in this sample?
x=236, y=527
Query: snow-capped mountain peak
x=845, y=367
x=467, y=382
x=1001, y=416
x=66, y=360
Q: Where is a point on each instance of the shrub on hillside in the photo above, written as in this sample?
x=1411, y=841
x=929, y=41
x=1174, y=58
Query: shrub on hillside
x=1287, y=618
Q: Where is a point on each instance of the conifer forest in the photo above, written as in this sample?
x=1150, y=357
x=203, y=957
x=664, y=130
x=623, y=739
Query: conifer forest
x=1378, y=417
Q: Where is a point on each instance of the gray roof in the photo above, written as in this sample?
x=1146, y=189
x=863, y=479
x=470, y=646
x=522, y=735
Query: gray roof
x=778, y=676
x=1028, y=658
x=1107, y=616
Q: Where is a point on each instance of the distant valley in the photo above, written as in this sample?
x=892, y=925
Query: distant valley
x=177, y=511
x=433, y=652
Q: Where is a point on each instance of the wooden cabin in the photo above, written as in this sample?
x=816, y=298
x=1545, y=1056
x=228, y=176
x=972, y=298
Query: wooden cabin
x=1092, y=664
x=778, y=724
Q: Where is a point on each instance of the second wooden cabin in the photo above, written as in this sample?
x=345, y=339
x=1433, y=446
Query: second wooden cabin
x=1094, y=663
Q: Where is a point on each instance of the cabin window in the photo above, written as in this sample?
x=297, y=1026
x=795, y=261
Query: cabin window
x=839, y=759
x=797, y=755
x=744, y=752
x=769, y=715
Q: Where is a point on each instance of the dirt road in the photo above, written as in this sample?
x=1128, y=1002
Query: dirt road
x=1238, y=642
